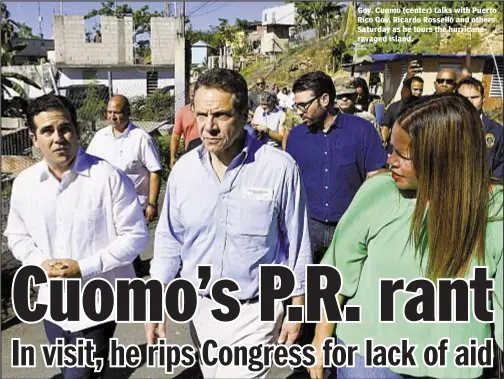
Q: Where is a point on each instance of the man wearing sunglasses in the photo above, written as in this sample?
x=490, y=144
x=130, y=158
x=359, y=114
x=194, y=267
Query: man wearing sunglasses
x=446, y=80
x=253, y=101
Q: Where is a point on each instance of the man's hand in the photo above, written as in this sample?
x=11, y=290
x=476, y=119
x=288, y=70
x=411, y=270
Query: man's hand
x=52, y=265
x=317, y=370
x=260, y=128
x=289, y=333
x=150, y=213
x=153, y=331
x=414, y=67
x=64, y=268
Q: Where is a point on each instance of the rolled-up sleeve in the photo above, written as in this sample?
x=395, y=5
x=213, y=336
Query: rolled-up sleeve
x=19, y=239
x=168, y=239
x=294, y=225
x=131, y=229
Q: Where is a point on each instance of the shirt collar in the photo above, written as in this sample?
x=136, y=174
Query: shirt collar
x=249, y=148
x=110, y=130
x=334, y=125
x=81, y=166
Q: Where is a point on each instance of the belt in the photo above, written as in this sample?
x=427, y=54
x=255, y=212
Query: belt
x=252, y=300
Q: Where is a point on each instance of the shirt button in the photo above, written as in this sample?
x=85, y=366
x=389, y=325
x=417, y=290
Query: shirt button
x=326, y=170
x=325, y=135
x=326, y=187
x=326, y=220
x=325, y=152
x=326, y=204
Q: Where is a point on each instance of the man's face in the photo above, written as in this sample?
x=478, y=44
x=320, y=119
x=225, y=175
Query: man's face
x=402, y=168
x=266, y=107
x=473, y=95
x=57, y=138
x=416, y=88
x=346, y=102
x=219, y=124
x=116, y=115
x=261, y=85
x=309, y=108
x=445, y=81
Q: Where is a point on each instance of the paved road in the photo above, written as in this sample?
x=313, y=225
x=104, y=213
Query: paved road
x=126, y=333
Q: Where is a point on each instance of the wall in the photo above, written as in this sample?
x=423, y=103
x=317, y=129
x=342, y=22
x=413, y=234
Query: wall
x=272, y=42
x=284, y=15
x=129, y=82
x=163, y=38
x=71, y=46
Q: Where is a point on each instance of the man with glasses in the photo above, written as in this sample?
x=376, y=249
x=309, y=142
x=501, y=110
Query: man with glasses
x=346, y=96
x=335, y=152
x=446, y=81
x=243, y=205
x=253, y=101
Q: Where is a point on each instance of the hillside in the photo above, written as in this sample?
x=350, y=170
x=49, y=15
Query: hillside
x=314, y=55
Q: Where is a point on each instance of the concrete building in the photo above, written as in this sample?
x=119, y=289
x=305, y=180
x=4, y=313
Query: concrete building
x=279, y=23
x=394, y=66
x=111, y=62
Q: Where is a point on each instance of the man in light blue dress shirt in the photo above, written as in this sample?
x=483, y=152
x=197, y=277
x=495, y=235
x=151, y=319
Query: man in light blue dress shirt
x=232, y=203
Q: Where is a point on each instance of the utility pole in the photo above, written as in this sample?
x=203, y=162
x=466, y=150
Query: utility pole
x=180, y=62
x=40, y=21
x=175, y=14
x=61, y=8
x=166, y=9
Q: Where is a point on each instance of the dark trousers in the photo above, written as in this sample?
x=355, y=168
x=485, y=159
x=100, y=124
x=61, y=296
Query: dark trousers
x=100, y=334
x=321, y=235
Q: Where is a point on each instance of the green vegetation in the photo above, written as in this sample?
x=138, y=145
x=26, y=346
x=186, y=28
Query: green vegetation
x=157, y=106
x=92, y=110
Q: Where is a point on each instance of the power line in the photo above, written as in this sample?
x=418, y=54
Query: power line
x=216, y=9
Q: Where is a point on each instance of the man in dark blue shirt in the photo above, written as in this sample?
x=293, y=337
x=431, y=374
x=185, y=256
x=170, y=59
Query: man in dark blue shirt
x=336, y=152
x=473, y=90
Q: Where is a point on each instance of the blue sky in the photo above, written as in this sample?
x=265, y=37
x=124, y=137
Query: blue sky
x=203, y=14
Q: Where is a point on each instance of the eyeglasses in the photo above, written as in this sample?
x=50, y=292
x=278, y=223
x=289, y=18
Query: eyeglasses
x=447, y=81
x=303, y=107
x=260, y=84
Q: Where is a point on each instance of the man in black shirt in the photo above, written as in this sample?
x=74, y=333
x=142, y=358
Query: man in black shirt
x=413, y=90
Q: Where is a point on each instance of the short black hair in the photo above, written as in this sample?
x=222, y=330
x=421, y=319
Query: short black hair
x=47, y=103
x=473, y=83
x=407, y=82
x=318, y=82
x=229, y=81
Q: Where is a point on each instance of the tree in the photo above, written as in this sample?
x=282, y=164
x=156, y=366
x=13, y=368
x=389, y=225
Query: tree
x=323, y=16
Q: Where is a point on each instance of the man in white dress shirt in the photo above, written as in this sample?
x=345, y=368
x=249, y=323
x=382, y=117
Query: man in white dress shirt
x=132, y=150
x=76, y=216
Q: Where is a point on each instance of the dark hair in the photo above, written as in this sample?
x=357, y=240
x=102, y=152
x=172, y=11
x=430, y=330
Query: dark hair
x=449, y=155
x=318, y=82
x=407, y=82
x=473, y=83
x=226, y=80
x=47, y=103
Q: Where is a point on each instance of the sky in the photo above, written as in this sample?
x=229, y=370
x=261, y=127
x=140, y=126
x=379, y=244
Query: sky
x=202, y=14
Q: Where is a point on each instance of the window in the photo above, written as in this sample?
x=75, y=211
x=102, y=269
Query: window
x=152, y=82
x=496, y=87
x=273, y=17
x=388, y=75
x=89, y=74
x=266, y=17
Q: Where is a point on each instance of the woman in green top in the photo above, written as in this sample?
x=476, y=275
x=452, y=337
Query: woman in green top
x=438, y=169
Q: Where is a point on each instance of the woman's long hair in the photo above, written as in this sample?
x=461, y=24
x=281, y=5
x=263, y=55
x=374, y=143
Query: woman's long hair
x=449, y=156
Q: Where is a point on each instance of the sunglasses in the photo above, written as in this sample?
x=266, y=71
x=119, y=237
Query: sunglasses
x=447, y=81
x=260, y=84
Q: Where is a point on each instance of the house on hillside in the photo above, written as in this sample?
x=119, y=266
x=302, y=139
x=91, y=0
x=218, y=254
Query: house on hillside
x=110, y=61
x=279, y=23
x=394, y=66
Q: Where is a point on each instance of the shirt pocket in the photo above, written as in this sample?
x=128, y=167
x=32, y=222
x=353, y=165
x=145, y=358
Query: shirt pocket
x=250, y=217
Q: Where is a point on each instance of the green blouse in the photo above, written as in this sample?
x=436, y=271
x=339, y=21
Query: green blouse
x=370, y=243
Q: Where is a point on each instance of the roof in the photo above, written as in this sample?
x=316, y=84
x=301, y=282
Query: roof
x=34, y=46
x=377, y=61
x=144, y=67
x=14, y=164
x=201, y=44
